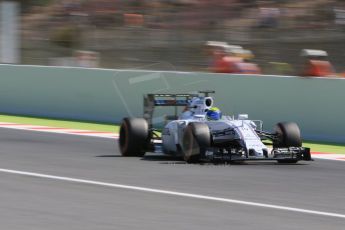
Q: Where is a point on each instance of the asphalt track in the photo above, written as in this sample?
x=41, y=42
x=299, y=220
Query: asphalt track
x=33, y=202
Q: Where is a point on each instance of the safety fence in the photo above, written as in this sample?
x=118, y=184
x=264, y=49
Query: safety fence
x=107, y=95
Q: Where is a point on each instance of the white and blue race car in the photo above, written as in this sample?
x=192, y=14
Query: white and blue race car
x=201, y=133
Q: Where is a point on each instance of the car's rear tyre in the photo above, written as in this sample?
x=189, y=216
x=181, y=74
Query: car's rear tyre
x=196, y=138
x=134, y=137
x=288, y=135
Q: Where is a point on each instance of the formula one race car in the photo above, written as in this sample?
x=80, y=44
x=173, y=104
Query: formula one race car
x=201, y=133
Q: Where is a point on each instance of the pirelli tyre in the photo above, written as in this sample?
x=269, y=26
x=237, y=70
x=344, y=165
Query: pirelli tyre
x=134, y=137
x=196, y=138
x=288, y=135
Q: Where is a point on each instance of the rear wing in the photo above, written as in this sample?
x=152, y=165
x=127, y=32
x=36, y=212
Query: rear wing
x=168, y=100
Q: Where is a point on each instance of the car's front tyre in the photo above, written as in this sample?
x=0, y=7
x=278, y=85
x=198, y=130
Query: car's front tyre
x=288, y=135
x=196, y=138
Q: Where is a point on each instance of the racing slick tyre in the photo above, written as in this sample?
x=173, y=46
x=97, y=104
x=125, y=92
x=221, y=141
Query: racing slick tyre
x=134, y=137
x=196, y=138
x=288, y=135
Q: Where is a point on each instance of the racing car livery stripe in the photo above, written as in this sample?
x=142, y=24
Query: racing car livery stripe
x=37, y=128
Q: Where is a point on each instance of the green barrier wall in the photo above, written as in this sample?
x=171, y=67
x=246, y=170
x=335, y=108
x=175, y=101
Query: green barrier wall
x=108, y=95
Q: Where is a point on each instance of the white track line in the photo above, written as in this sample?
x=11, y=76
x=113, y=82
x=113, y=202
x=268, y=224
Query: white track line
x=174, y=193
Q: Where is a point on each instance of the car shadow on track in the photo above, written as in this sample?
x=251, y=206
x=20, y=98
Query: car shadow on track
x=119, y=156
x=176, y=160
x=164, y=159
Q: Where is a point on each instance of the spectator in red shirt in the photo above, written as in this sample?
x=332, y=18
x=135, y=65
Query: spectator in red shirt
x=316, y=64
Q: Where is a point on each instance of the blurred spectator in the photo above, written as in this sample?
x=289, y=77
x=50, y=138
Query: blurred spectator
x=224, y=63
x=339, y=12
x=231, y=59
x=268, y=17
x=316, y=64
x=221, y=61
x=318, y=68
x=245, y=66
x=134, y=19
x=132, y=33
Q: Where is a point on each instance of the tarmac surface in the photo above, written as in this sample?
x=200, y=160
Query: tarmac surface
x=44, y=202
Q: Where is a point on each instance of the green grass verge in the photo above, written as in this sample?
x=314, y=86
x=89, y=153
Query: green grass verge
x=325, y=147
x=316, y=147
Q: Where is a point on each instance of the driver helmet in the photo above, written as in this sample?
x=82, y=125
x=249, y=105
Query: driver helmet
x=214, y=114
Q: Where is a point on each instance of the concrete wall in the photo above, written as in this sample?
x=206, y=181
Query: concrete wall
x=108, y=95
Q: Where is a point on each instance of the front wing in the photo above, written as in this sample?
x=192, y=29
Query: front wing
x=216, y=154
x=291, y=153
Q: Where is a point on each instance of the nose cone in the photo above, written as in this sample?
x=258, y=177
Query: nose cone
x=256, y=148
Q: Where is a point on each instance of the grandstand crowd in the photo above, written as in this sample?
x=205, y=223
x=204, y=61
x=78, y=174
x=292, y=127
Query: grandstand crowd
x=134, y=33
